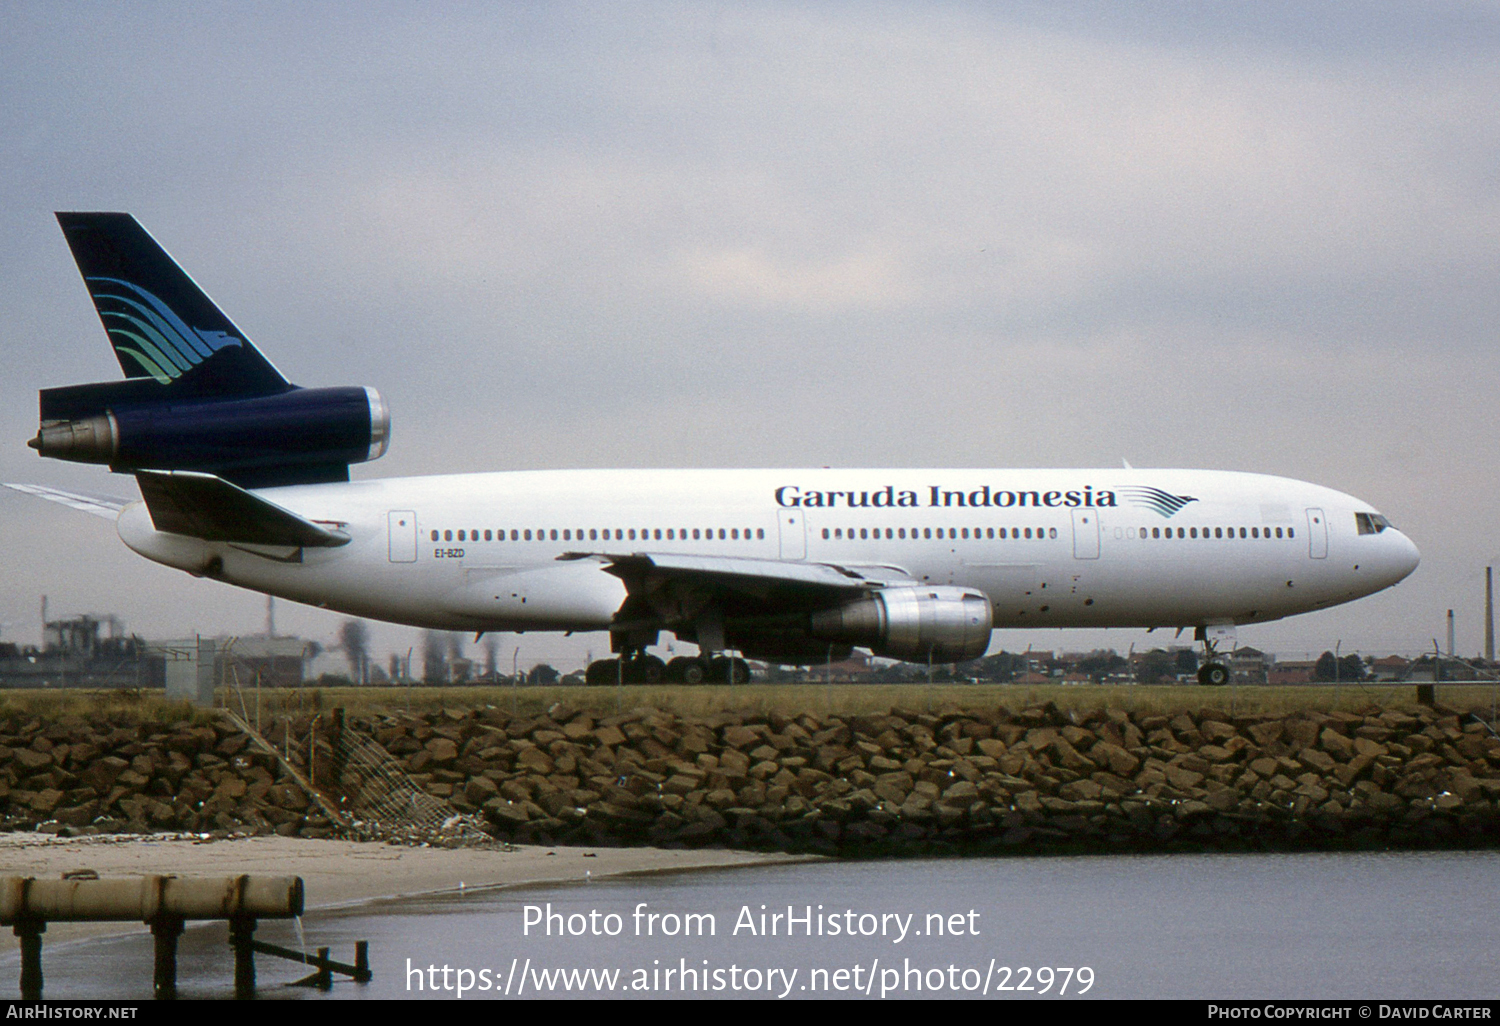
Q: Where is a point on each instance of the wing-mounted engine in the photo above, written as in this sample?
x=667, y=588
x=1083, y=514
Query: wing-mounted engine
x=918, y=624
x=797, y=612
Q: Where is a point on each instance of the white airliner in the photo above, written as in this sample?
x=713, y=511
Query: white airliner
x=244, y=479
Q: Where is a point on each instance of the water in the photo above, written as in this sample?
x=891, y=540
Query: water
x=1402, y=925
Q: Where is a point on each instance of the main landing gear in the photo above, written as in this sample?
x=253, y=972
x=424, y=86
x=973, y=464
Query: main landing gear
x=629, y=668
x=640, y=668
x=1215, y=670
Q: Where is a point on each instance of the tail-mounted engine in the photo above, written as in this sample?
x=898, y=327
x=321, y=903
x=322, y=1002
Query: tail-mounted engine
x=299, y=436
x=197, y=394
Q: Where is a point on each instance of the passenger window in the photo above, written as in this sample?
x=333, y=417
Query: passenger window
x=554, y=534
x=447, y=536
x=528, y=535
x=927, y=532
x=760, y=532
x=1255, y=532
x=953, y=534
x=434, y=536
x=1192, y=532
x=721, y=534
x=1181, y=533
x=1156, y=532
x=966, y=533
x=1028, y=532
x=825, y=534
x=567, y=534
x=1291, y=533
x=989, y=532
x=864, y=532
x=1242, y=532
x=734, y=534
x=1278, y=532
x=695, y=534
x=1051, y=532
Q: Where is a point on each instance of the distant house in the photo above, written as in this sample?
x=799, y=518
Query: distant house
x=1291, y=672
x=1249, y=665
x=1032, y=677
x=859, y=666
x=1391, y=667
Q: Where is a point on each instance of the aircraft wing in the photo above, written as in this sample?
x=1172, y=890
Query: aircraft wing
x=208, y=507
x=755, y=576
x=702, y=597
x=103, y=506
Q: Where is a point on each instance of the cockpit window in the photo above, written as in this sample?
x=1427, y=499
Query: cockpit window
x=1370, y=523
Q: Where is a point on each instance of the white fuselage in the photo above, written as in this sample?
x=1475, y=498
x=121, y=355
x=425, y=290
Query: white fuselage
x=1049, y=548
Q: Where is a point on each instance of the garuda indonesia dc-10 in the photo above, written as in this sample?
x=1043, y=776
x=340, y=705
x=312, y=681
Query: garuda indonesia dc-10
x=244, y=478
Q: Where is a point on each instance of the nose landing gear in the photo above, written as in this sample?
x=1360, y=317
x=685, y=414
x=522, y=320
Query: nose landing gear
x=1215, y=669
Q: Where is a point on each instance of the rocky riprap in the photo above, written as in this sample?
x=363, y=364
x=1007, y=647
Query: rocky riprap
x=1038, y=779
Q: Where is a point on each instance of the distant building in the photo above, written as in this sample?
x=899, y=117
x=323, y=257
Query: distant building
x=1292, y=672
x=74, y=654
x=1249, y=665
x=271, y=662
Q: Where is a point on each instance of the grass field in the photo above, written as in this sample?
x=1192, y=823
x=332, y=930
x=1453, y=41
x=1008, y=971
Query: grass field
x=786, y=699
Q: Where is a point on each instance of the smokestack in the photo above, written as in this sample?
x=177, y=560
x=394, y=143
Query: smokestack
x=1489, y=614
x=1450, y=634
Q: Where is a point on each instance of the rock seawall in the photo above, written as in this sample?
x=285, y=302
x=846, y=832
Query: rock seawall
x=1033, y=780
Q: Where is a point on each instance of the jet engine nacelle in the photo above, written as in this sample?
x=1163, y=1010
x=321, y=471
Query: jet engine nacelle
x=299, y=435
x=917, y=624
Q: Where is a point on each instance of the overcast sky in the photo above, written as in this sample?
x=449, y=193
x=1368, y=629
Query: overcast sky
x=1255, y=237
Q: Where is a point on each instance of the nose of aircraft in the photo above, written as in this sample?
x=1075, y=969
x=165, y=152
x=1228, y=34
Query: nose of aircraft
x=1404, y=556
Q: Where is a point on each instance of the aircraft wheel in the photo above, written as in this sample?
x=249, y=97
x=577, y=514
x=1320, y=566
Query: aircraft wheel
x=1213, y=674
x=602, y=672
x=679, y=669
x=645, y=669
x=722, y=670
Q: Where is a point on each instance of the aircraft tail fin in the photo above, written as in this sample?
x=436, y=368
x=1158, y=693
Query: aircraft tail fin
x=163, y=327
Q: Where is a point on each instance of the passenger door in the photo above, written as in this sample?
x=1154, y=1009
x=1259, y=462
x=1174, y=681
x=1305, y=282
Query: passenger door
x=1317, y=534
x=793, y=534
x=402, y=524
x=1085, y=534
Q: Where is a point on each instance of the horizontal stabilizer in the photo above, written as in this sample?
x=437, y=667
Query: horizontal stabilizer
x=208, y=507
x=103, y=506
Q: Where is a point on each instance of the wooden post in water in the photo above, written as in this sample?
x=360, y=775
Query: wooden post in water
x=30, y=930
x=165, y=929
x=242, y=940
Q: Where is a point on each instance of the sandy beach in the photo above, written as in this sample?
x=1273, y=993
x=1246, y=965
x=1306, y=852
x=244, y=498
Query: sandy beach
x=336, y=872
